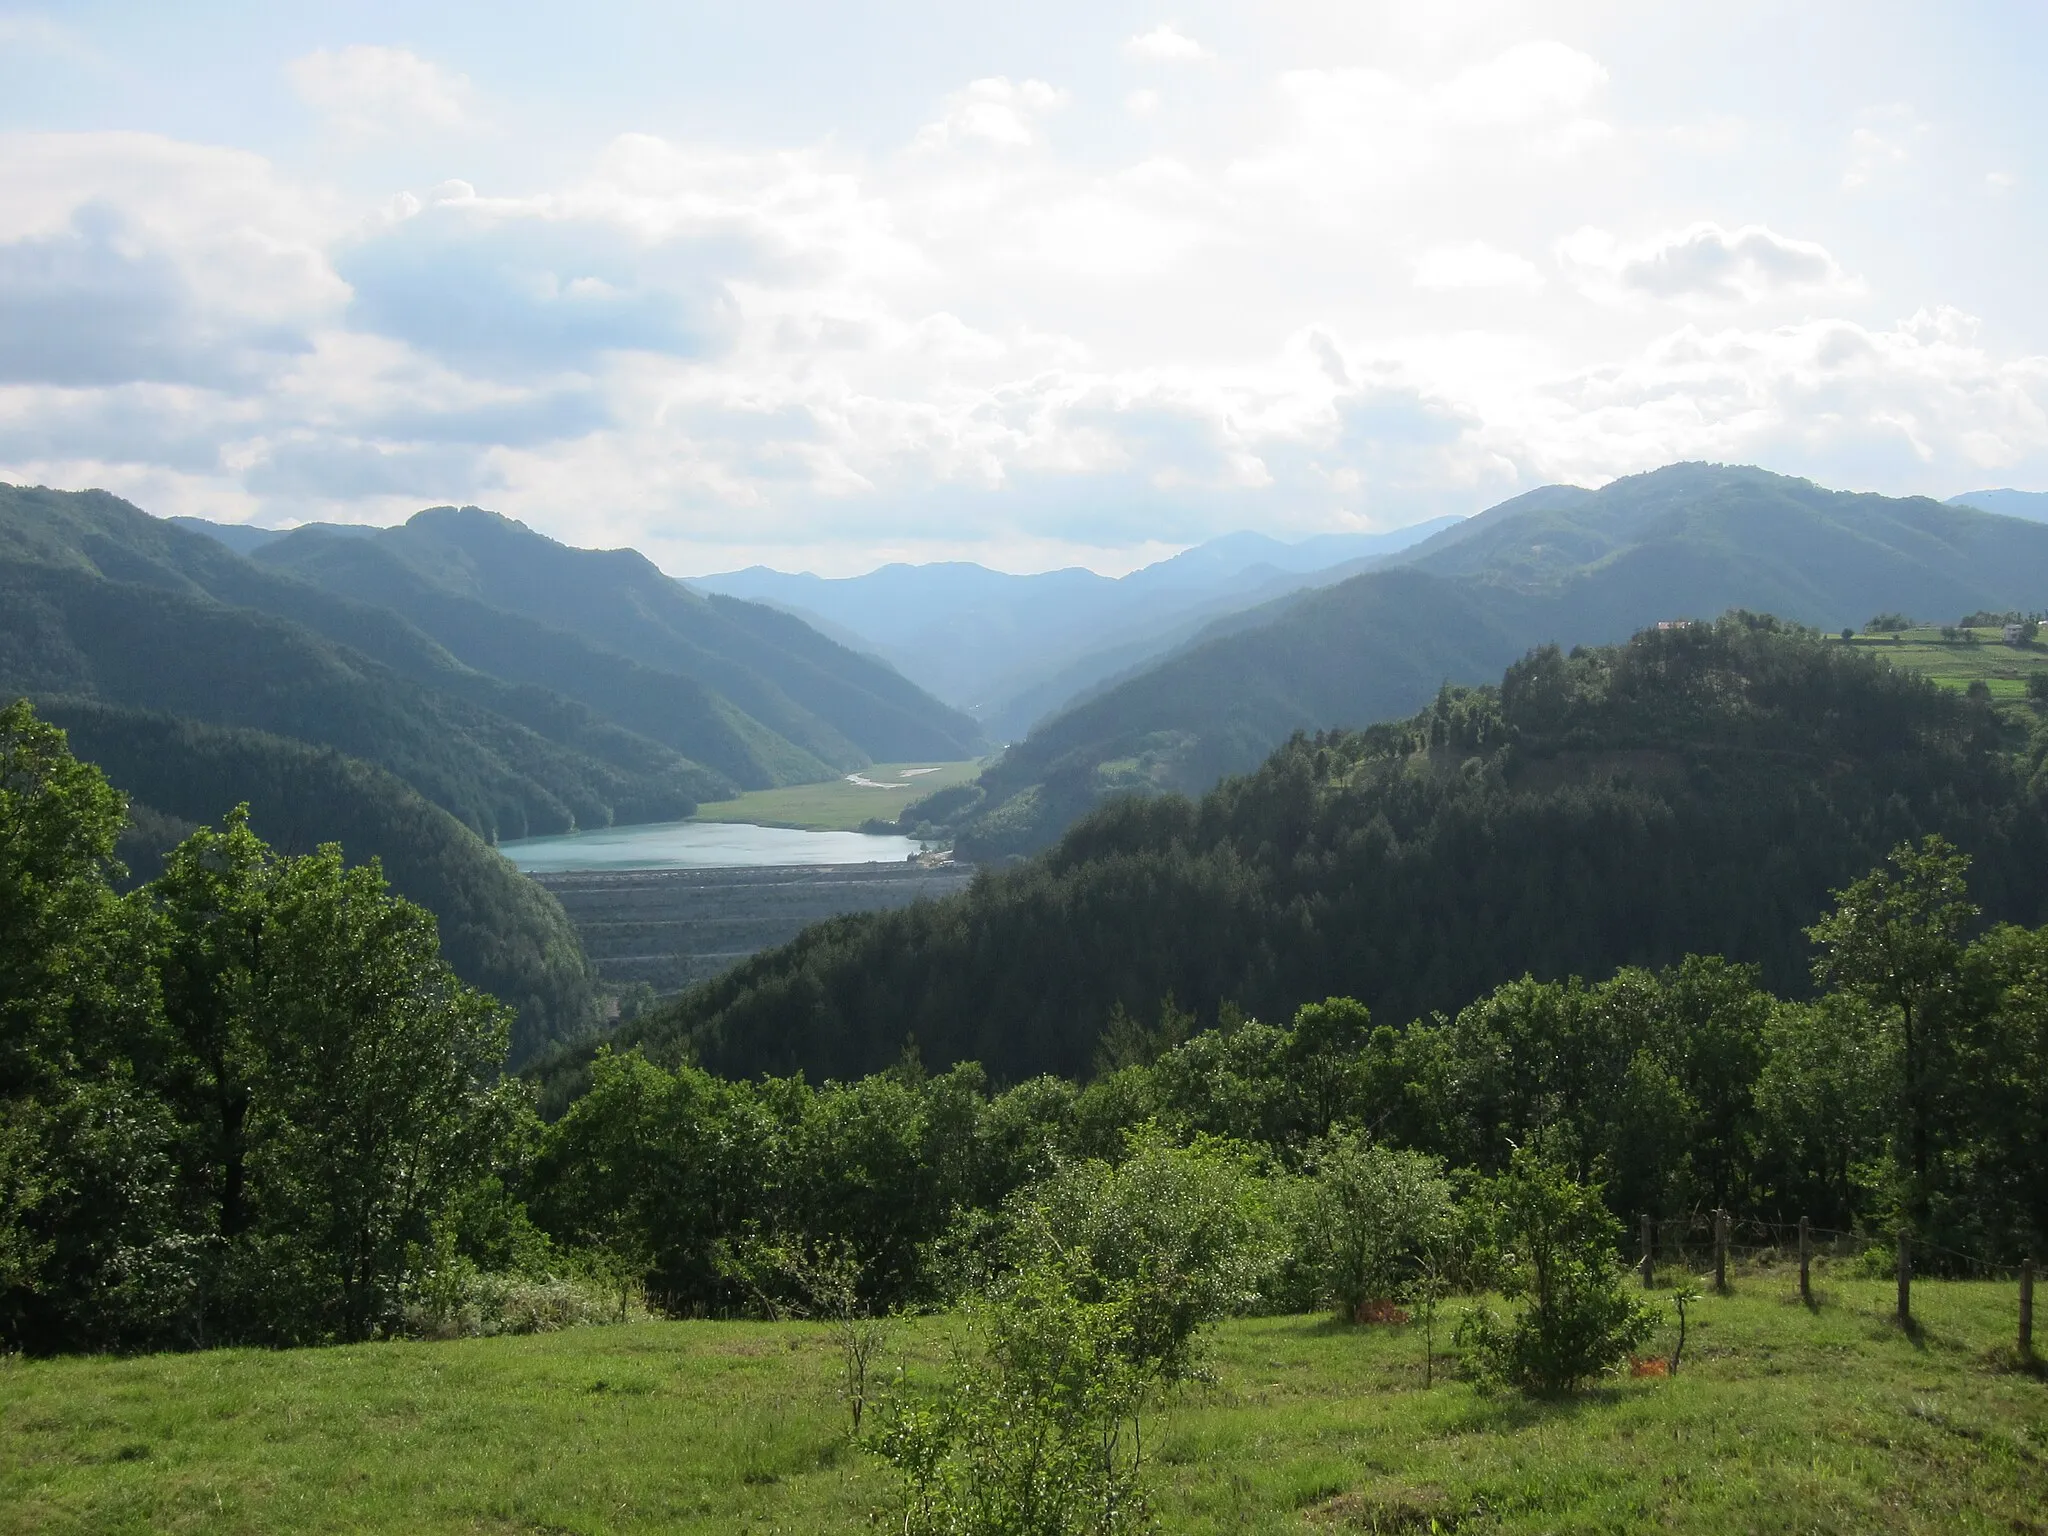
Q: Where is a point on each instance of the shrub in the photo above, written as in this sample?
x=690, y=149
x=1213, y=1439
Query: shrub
x=1038, y=1433
x=1373, y=1220
x=1556, y=1245
x=1111, y=1273
x=459, y=1301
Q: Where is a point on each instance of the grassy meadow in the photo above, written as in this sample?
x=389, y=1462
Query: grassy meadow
x=837, y=805
x=1782, y=1419
x=2003, y=668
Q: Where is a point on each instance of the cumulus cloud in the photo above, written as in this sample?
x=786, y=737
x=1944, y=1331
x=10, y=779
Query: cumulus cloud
x=127, y=258
x=512, y=284
x=979, y=342
x=998, y=111
x=1475, y=264
x=1165, y=45
x=1704, y=261
x=1848, y=403
x=364, y=92
x=1353, y=135
x=1880, y=145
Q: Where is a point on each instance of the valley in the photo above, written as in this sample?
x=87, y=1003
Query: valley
x=878, y=793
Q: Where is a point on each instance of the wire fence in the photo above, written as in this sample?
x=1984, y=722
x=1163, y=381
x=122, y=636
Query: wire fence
x=1688, y=1242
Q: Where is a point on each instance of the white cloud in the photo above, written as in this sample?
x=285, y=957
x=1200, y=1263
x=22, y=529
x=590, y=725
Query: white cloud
x=997, y=111
x=1164, y=45
x=1998, y=183
x=1475, y=264
x=1881, y=144
x=1353, y=136
x=1703, y=262
x=1845, y=403
x=984, y=342
x=365, y=92
x=1142, y=103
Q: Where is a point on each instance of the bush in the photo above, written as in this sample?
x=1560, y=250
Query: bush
x=459, y=1301
x=1556, y=1247
x=1111, y=1273
x=1038, y=1433
x=1184, y=1234
x=1372, y=1221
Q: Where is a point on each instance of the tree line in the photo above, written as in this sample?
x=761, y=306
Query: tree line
x=248, y=1101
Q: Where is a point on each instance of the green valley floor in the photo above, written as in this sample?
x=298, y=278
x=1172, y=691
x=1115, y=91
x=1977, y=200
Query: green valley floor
x=1782, y=1419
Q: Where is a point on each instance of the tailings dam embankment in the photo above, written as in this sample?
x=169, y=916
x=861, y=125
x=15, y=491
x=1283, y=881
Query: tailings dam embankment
x=673, y=927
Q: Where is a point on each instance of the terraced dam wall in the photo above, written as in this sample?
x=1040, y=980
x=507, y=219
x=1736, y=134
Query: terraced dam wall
x=673, y=927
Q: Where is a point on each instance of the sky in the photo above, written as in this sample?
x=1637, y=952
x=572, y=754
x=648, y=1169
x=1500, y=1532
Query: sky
x=823, y=285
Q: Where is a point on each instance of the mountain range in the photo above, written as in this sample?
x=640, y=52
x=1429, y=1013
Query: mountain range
x=1559, y=564
x=1012, y=650
x=419, y=692
x=2032, y=505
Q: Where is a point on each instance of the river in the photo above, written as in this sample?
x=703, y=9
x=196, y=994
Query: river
x=700, y=845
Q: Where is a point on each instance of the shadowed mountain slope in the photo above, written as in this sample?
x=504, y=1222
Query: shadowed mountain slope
x=844, y=708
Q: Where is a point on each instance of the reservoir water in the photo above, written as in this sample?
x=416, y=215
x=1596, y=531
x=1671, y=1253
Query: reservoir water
x=700, y=845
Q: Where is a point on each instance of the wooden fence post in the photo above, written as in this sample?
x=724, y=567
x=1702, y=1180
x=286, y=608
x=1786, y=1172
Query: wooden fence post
x=1805, y=1260
x=1905, y=1278
x=1721, y=1252
x=1649, y=1249
x=2027, y=1310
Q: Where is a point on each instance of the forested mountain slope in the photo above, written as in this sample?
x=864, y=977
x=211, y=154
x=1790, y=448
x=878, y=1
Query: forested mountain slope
x=677, y=711
x=846, y=709
x=499, y=931
x=1558, y=564
x=1696, y=790
x=68, y=631
x=110, y=601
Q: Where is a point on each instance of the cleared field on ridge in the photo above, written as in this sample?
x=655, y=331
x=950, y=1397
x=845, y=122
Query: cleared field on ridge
x=1782, y=1419
x=2003, y=668
x=839, y=805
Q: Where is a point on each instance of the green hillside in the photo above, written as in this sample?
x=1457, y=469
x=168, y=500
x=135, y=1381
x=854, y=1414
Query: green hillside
x=111, y=601
x=1695, y=790
x=844, y=708
x=499, y=931
x=1559, y=564
x=677, y=711
x=65, y=631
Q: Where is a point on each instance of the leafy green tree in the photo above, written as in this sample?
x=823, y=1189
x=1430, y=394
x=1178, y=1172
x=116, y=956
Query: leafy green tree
x=1823, y=1100
x=90, y=1248
x=1895, y=940
x=339, y=1080
x=1556, y=1244
x=2000, y=1128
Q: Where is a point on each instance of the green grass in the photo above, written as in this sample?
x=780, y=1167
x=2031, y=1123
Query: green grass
x=2003, y=668
x=837, y=805
x=1782, y=1420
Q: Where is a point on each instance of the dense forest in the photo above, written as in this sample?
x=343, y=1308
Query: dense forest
x=1558, y=564
x=247, y=1101
x=1697, y=790
x=499, y=931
